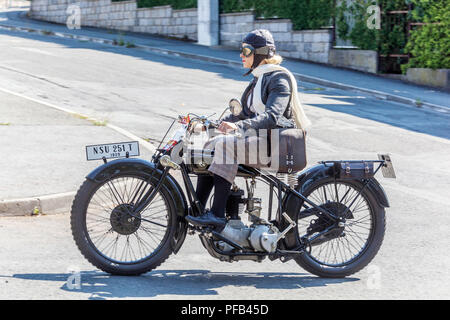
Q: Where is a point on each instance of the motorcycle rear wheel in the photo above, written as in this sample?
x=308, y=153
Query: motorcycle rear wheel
x=367, y=236
x=113, y=241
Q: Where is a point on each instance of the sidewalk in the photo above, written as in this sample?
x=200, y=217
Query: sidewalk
x=383, y=88
x=43, y=155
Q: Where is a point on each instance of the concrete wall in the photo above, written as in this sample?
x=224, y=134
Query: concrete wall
x=122, y=15
x=429, y=77
x=312, y=45
x=362, y=60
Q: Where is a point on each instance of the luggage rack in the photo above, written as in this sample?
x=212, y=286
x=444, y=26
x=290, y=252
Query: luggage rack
x=362, y=168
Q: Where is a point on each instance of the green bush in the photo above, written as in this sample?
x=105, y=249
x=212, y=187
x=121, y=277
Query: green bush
x=429, y=45
x=176, y=4
x=391, y=38
x=304, y=14
x=360, y=35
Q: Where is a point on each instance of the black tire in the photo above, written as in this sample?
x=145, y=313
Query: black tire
x=309, y=260
x=82, y=208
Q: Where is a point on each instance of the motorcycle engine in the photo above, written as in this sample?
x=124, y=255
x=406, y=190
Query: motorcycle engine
x=260, y=236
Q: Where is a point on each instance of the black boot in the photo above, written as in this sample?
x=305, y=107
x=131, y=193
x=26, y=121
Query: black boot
x=215, y=217
x=205, y=185
x=208, y=219
x=222, y=190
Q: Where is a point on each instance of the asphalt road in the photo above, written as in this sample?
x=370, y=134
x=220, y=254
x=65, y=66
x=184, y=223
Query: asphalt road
x=38, y=163
x=142, y=92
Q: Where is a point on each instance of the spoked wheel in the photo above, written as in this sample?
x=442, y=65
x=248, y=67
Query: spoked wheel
x=338, y=249
x=114, y=239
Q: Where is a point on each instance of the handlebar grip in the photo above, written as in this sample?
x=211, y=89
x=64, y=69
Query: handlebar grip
x=216, y=125
x=213, y=125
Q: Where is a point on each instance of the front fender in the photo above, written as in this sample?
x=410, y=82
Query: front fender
x=115, y=167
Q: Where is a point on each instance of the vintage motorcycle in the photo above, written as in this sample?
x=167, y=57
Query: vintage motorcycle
x=128, y=216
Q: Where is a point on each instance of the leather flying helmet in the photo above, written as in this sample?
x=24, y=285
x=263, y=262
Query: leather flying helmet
x=260, y=43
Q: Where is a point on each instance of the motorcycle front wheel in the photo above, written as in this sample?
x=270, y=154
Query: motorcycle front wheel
x=113, y=240
x=344, y=250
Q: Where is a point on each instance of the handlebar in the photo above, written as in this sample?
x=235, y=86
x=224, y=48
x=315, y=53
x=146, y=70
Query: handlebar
x=216, y=125
x=211, y=124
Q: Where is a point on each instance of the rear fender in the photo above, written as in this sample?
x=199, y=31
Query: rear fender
x=292, y=204
x=324, y=171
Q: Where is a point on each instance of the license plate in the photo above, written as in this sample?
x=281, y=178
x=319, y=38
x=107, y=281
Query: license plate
x=388, y=168
x=112, y=150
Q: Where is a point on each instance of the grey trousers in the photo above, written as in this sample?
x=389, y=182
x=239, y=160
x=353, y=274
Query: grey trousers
x=230, y=151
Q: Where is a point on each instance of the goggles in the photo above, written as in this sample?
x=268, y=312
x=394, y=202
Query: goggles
x=248, y=50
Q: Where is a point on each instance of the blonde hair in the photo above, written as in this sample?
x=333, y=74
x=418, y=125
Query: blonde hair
x=276, y=59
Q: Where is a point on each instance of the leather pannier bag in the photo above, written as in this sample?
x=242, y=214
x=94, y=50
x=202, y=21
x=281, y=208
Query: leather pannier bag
x=355, y=170
x=291, y=150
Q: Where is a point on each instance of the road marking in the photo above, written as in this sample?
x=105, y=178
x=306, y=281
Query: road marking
x=122, y=131
x=48, y=200
x=34, y=50
x=32, y=76
x=28, y=204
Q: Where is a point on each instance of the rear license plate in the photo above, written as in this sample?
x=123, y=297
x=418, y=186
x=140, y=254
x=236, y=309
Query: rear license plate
x=112, y=150
x=387, y=169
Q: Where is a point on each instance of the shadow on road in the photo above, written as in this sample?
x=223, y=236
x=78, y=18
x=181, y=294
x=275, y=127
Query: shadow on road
x=180, y=62
x=180, y=282
x=418, y=120
x=406, y=117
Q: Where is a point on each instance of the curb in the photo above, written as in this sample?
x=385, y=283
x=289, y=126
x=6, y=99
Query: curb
x=60, y=202
x=298, y=76
x=48, y=204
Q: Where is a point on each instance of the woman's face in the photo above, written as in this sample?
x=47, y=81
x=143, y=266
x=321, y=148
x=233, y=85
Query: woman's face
x=247, y=62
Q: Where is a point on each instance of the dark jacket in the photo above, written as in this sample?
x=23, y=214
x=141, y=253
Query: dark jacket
x=276, y=95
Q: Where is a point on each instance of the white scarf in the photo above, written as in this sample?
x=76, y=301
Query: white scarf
x=300, y=118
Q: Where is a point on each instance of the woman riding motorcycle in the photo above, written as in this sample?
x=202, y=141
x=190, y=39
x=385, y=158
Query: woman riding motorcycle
x=269, y=102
